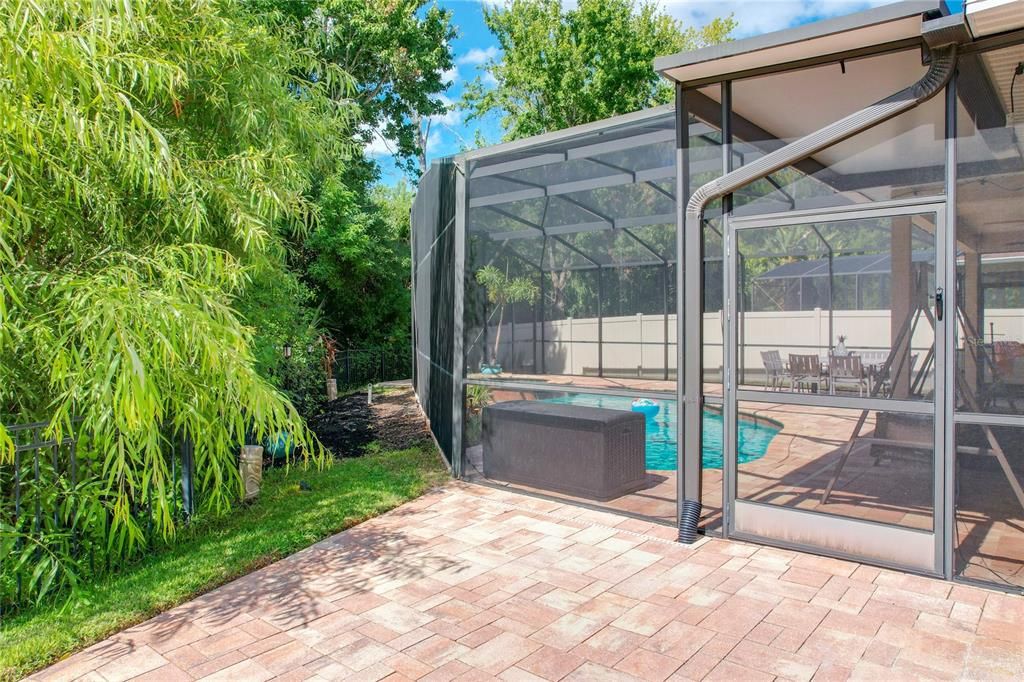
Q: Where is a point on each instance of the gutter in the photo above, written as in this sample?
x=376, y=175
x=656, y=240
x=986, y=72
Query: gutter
x=941, y=68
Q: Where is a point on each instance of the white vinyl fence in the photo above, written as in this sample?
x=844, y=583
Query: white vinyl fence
x=636, y=343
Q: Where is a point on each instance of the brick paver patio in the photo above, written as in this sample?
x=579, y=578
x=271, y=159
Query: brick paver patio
x=471, y=582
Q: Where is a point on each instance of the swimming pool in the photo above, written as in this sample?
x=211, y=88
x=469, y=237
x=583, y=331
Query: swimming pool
x=754, y=436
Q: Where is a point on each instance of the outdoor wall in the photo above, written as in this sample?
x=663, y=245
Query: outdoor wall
x=634, y=341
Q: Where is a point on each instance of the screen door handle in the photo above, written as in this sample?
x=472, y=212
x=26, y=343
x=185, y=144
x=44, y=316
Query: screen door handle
x=939, y=304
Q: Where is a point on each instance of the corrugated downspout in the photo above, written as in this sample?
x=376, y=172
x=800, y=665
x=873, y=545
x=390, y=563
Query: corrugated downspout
x=943, y=63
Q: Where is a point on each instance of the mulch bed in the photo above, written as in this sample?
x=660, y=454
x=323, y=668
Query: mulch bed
x=347, y=425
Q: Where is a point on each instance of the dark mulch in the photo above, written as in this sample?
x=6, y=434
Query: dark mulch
x=347, y=425
x=344, y=425
x=398, y=420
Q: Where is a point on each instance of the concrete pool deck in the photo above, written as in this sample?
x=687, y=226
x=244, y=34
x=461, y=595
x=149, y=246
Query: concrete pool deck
x=470, y=582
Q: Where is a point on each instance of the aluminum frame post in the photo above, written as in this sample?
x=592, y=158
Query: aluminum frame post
x=731, y=355
x=600, y=321
x=458, y=333
x=945, y=522
x=664, y=295
x=689, y=337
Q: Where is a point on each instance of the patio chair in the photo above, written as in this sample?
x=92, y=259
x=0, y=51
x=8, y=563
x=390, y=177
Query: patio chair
x=847, y=370
x=774, y=369
x=870, y=358
x=873, y=361
x=805, y=370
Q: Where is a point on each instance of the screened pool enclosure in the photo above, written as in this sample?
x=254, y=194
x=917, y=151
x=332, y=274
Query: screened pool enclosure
x=787, y=308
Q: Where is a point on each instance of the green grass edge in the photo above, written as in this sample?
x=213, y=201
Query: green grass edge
x=215, y=551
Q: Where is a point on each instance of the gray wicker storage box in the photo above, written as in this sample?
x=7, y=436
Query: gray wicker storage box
x=584, y=451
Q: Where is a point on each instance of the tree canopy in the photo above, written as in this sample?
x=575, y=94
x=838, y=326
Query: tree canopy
x=397, y=53
x=357, y=259
x=559, y=68
x=354, y=263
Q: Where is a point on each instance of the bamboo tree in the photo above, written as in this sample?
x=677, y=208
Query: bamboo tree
x=151, y=152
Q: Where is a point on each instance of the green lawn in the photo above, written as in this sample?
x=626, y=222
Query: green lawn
x=284, y=520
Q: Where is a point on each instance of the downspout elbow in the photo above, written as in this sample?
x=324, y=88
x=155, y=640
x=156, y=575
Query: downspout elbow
x=940, y=70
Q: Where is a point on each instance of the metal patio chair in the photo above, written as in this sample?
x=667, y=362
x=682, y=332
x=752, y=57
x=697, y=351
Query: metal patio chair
x=805, y=370
x=880, y=377
x=774, y=369
x=847, y=370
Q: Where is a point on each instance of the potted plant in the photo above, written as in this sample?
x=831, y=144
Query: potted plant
x=477, y=398
x=840, y=350
x=503, y=290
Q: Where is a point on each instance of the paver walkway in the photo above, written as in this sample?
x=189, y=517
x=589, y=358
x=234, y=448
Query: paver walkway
x=472, y=583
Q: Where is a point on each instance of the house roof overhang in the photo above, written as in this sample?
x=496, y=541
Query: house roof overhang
x=876, y=29
x=989, y=17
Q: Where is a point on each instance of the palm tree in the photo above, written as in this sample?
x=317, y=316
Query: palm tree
x=503, y=290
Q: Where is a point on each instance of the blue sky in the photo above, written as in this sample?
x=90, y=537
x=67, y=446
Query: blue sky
x=475, y=44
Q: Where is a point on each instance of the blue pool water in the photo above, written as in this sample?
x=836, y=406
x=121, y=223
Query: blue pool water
x=754, y=436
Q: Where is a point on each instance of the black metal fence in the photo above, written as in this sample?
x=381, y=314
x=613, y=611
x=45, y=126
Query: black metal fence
x=356, y=367
x=54, y=518
x=54, y=512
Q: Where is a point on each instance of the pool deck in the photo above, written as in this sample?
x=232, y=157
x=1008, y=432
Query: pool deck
x=798, y=466
x=473, y=583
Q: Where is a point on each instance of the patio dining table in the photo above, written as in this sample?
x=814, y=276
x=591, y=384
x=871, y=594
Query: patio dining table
x=872, y=368
x=869, y=365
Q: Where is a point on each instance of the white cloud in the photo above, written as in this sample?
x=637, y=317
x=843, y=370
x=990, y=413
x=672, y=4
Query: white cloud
x=762, y=16
x=451, y=76
x=477, y=56
x=452, y=117
x=379, y=145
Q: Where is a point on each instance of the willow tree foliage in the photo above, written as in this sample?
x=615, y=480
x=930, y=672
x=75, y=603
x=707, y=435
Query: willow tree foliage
x=564, y=67
x=152, y=152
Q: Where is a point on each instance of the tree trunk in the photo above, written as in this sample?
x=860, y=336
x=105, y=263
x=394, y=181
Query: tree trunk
x=422, y=133
x=497, y=336
x=559, y=275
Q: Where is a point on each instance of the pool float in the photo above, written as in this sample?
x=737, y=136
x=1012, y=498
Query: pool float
x=645, y=406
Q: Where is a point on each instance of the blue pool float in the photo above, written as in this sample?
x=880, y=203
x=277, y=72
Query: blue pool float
x=648, y=408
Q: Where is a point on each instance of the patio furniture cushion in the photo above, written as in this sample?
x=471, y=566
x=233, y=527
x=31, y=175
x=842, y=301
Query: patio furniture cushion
x=588, y=452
